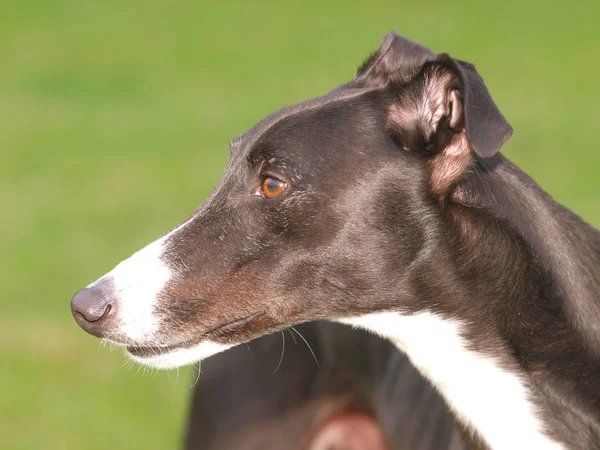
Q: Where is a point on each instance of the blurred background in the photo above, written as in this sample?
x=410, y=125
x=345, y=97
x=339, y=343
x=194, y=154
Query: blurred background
x=115, y=117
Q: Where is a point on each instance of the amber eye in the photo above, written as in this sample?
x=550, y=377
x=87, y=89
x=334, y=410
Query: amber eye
x=272, y=187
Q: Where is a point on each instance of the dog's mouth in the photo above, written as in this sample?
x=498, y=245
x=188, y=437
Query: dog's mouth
x=149, y=351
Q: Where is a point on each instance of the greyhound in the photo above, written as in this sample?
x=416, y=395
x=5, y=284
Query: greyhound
x=386, y=205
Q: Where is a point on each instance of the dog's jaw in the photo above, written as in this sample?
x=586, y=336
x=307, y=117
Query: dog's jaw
x=181, y=357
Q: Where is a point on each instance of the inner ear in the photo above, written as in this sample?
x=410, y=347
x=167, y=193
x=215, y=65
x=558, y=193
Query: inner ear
x=427, y=117
x=442, y=104
x=447, y=142
x=456, y=110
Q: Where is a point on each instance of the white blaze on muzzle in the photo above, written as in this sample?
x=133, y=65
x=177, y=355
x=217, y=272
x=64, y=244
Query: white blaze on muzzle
x=136, y=283
x=135, y=287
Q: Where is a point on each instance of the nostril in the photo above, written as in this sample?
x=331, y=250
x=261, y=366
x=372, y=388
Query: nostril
x=92, y=317
x=106, y=311
x=91, y=305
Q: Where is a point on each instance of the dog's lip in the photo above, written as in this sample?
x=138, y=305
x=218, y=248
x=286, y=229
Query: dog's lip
x=148, y=351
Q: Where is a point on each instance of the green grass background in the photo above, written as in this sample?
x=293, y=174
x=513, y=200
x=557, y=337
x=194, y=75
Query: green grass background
x=114, y=121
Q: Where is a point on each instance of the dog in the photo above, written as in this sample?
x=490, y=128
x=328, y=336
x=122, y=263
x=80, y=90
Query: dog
x=385, y=205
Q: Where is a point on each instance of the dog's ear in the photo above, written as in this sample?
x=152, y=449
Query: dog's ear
x=395, y=53
x=445, y=112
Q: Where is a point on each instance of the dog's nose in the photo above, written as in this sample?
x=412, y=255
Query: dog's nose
x=91, y=308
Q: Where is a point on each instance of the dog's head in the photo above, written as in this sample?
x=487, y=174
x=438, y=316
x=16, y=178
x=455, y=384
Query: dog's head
x=325, y=211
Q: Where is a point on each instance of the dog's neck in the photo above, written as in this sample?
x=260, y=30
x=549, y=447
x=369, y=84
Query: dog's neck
x=508, y=332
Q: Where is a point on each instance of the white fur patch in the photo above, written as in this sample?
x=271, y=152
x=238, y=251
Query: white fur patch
x=182, y=357
x=137, y=281
x=482, y=395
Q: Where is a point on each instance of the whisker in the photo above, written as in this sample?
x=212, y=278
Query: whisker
x=282, y=352
x=308, y=345
x=199, y=372
x=129, y=364
x=293, y=336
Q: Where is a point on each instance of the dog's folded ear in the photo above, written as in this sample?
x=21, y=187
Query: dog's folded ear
x=446, y=94
x=465, y=100
x=445, y=112
x=437, y=106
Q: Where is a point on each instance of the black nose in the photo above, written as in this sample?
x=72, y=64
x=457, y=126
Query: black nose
x=92, y=308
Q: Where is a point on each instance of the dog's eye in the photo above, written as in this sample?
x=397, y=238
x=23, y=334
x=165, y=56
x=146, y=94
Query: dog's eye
x=272, y=187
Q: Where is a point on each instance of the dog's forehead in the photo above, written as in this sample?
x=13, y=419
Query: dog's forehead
x=243, y=144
